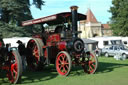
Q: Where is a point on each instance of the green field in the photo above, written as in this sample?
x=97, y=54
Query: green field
x=109, y=72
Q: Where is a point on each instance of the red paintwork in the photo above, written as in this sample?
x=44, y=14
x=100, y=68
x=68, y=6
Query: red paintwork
x=91, y=64
x=53, y=44
x=0, y=44
x=35, y=51
x=45, y=53
x=13, y=74
x=62, y=45
x=5, y=67
x=53, y=39
x=11, y=68
x=40, y=20
x=10, y=65
x=62, y=64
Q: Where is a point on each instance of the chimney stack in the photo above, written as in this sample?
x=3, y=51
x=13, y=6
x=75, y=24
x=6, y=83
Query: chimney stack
x=74, y=19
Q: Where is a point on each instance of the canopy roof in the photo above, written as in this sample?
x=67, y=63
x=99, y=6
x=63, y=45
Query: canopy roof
x=54, y=19
x=89, y=41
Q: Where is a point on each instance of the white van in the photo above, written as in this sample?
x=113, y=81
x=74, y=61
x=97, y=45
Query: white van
x=103, y=41
x=125, y=41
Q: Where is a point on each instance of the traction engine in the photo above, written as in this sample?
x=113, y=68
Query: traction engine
x=10, y=62
x=62, y=47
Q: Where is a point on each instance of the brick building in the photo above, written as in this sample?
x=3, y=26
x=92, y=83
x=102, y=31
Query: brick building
x=91, y=27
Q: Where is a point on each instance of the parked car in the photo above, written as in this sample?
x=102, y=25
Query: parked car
x=112, y=50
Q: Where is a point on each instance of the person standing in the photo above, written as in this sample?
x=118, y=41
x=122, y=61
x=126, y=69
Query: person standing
x=22, y=52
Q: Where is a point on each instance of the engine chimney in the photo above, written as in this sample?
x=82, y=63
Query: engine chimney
x=74, y=19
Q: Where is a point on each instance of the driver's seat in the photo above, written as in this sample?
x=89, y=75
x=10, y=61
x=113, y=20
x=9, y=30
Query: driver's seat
x=58, y=29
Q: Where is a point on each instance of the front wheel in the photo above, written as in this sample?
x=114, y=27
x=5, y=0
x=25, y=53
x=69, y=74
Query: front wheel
x=63, y=63
x=89, y=63
x=124, y=56
x=15, y=67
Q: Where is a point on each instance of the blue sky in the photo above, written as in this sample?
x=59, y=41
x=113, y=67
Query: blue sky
x=99, y=8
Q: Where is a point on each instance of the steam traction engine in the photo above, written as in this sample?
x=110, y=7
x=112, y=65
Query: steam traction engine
x=62, y=46
x=10, y=62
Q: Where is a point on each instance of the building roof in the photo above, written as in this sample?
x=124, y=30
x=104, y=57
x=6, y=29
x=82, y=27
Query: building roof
x=91, y=17
x=105, y=26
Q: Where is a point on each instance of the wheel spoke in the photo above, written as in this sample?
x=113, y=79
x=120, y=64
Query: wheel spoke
x=90, y=68
x=66, y=63
x=61, y=67
x=63, y=63
x=34, y=57
x=63, y=57
x=14, y=70
x=14, y=66
x=67, y=66
x=60, y=60
x=59, y=64
x=35, y=51
x=64, y=70
x=66, y=60
x=90, y=64
x=93, y=65
x=14, y=74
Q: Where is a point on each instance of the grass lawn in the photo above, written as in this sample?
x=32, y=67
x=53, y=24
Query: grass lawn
x=109, y=72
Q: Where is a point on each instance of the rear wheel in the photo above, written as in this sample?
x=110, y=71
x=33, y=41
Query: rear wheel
x=63, y=63
x=15, y=63
x=34, y=57
x=89, y=63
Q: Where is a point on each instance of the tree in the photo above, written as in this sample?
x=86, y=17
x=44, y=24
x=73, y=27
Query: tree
x=119, y=19
x=119, y=22
x=16, y=11
x=9, y=30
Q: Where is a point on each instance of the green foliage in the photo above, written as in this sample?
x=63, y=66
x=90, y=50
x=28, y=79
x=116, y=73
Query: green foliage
x=10, y=30
x=38, y=3
x=119, y=19
x=13, y=13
